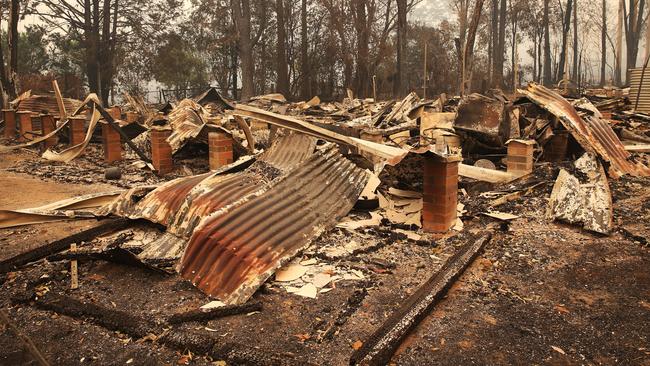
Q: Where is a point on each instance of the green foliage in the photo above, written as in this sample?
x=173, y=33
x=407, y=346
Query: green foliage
x=32, y=51
x=177, y=64
x=33, y=57
x=66, y=55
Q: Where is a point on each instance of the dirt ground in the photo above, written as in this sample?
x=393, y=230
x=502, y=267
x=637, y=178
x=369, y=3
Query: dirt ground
x=540, y=293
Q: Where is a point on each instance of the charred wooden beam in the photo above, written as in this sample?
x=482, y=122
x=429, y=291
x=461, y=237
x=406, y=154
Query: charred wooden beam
x=138, y=327
x=117, y=128
x=380, y=346
x=200, y=315
x=63, y=244
x=108, y=318
x=352, y=305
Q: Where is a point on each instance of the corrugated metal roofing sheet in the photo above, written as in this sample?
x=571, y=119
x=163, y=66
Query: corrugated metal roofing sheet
x=243, y=226
x=41, y=103
x=187, y=122
x=643, y=104
x=593, y=134
x=218, y=191
x=212, y=95
x=234, y=250
x=182, y=203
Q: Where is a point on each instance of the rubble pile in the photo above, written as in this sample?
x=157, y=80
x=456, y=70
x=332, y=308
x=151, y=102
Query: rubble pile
x=268, y=195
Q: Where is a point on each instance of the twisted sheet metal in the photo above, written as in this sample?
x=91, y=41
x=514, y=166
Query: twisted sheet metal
x=210, y=195
x=181, y=204
x=290, y=150
x=643, y=103
x=73, y=208
x=235, y=249
x=219, y=191
x=159, y=205
x=47, y=103
x=592, y=133
x=187, y=121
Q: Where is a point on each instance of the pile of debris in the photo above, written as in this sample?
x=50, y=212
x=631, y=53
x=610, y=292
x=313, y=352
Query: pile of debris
x=276, y=175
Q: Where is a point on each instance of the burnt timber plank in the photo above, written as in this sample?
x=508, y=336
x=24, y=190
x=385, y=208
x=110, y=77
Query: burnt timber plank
x=380, y=346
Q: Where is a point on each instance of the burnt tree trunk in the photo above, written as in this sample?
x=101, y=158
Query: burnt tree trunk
x=502, y=43
x=12, y=60
x=400, y=80
x=469, y=44
x=281, y=51
x=234, y=69
x=566, y=24
x=363, y=52
x=603, y=45
x=304, y=62
x=495, y=42
x=576, y=68
x=3, y=75
x=241, y=10
x=547, y=46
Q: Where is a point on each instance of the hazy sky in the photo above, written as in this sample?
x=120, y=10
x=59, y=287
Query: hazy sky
x=431, y=12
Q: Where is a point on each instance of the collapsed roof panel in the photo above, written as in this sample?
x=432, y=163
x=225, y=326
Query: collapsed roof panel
x=188, y=120
x=483, y=118
x=213, y=99
x=592, y=133
x=234, y=250
x=182, y=204
x=46, y=103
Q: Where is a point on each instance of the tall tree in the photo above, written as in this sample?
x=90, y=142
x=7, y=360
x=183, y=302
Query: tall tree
x=281, y=50
x=633, y=25
x=575, y=41
x=618, y=54
x=494, y=31
x=241, y=10
x=547, y=46
x=400, y=80
x=3, y=75
x=468, y=53
x=516, y=7
x=463, y=10
x=603, y=44
x=501, y=46
x=12, y=40
x=305, y=72
x=566, y=24
x=362, y=26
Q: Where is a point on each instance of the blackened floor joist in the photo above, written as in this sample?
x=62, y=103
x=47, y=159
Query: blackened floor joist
x=381, y=345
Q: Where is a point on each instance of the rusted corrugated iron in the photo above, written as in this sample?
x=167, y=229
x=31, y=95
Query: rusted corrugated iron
x=48, y=104
x=640, y=100
x=483, y=118
x=234, y=250
x=216, y=192
x=210, y=195
x=213, y=100
x=187, y=121
x=592, y=133
x=290, y=150
x=165, y=201
x=181, y=204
